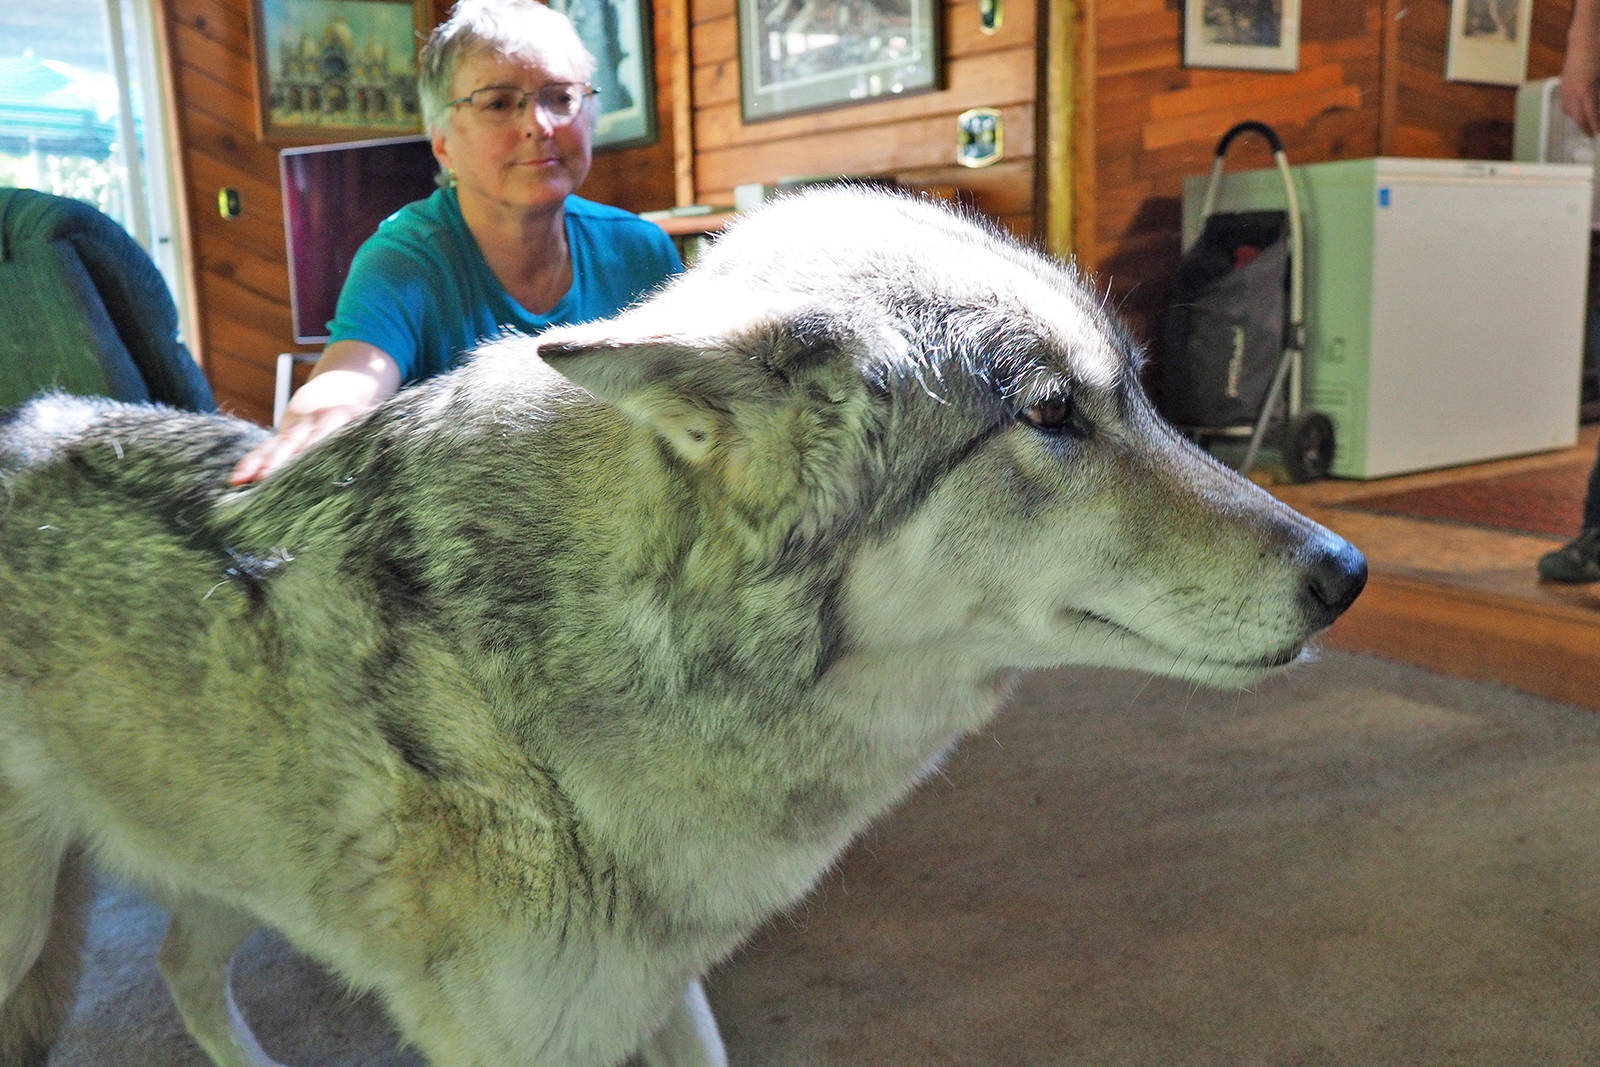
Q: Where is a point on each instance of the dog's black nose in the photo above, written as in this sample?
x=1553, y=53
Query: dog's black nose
x=1335, y=577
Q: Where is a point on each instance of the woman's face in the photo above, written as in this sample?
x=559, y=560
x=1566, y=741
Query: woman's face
x=528, y=161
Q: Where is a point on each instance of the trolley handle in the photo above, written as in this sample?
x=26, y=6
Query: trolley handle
x=1262, y=128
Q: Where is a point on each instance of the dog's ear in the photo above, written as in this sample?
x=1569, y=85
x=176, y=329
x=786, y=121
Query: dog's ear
x=683, y=391
x=693, y=390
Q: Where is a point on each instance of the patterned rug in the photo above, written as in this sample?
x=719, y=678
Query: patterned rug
x=1544, y=501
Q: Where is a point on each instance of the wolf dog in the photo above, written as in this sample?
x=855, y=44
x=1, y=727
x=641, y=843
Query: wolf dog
x=523, y=700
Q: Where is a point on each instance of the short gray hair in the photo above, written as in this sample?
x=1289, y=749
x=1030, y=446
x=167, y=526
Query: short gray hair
x=503, y=27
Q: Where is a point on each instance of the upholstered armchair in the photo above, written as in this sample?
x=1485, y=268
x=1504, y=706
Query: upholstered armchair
x=83, y=309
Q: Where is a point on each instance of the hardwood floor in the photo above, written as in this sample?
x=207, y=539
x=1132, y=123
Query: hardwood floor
x=1464, y=599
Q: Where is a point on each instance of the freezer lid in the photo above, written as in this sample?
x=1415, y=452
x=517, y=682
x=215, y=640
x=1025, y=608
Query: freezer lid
x=1395, y=168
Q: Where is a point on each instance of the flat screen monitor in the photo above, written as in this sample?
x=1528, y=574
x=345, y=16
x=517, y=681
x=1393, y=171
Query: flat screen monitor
x=334, y=196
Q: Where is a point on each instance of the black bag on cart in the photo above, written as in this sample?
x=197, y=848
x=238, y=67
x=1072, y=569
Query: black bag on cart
x=1225, y=328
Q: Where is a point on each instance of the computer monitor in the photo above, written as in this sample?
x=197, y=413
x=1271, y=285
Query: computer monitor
x=334, y=196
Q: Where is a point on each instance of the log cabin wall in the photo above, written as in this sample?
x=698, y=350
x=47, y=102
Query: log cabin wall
x=240, y=265
x=1370, y=82
x=911, y=139
x=1437, y=119
x=1158, y=122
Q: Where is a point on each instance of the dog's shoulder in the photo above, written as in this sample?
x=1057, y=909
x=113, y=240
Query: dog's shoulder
x=88, y=465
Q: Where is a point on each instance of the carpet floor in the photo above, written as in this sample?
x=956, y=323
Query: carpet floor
x=1358, y=862
x=1547, y=500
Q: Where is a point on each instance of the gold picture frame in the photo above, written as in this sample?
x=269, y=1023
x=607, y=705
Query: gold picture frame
x=337, y=69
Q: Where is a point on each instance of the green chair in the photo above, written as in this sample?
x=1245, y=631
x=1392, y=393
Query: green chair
x=84, y=310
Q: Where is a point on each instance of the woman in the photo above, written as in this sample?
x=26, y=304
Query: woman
x=506, y=98
x=1578, y=561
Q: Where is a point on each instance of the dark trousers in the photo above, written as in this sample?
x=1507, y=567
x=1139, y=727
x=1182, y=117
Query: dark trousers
x=1591, y=498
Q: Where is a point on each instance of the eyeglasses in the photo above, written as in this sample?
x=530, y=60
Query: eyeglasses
x=559, y=102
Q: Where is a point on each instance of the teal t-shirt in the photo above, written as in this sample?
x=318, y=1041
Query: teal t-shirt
x=420, y=289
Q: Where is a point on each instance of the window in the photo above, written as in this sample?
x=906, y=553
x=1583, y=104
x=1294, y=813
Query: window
x=81, y=115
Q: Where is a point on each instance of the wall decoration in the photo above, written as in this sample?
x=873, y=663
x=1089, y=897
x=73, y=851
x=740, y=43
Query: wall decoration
x=980, y=140
x=337, y=68
x=805, y=55
x=618, y=34
x=1248, y=34
x=991, y=15
x=1489, y=41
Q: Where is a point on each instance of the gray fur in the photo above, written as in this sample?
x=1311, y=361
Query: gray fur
x=526, y=698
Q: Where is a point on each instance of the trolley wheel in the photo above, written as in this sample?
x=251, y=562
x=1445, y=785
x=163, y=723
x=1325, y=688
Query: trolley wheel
x=1308, y=446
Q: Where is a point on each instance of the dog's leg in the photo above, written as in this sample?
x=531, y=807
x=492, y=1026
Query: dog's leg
x=689, y=1038
x=43, y=896
x=201, y=939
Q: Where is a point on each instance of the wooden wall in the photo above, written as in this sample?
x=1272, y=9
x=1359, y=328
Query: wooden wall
x=1158, y=122
x=241, y=275
x=640, y=179
x=1436, y=119
x=1370, y=82
x=912, y=139
x=241, y=283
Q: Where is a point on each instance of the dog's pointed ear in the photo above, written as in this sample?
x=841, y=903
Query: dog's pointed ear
x=680, y=389
x=691, y=389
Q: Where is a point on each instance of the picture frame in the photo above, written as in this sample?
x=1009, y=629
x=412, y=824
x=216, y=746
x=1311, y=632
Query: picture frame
x=791, y=63
x=1242, y=34
x=620, y=36
x=337, y=69
x=1489, y=41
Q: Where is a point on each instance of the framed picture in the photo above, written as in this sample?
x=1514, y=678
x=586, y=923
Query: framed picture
x=337, y=69
x=1488, y=41
x=805, y=55
x=618, y=34
x=1248, y=34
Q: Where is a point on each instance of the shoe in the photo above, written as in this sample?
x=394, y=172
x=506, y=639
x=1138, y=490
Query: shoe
x=1576, y=561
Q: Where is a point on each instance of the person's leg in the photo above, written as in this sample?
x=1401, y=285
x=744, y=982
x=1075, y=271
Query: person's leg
x=1579, y=559
x=1591, y=498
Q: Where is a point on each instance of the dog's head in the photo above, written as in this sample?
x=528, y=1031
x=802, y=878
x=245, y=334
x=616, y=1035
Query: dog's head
x=875, y=378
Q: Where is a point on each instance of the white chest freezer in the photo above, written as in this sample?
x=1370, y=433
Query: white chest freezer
x=1445, y=303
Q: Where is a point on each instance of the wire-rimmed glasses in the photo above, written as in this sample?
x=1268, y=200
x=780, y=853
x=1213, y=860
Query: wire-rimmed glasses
x=559, y=102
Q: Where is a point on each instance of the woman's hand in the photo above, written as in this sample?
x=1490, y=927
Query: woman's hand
x=294, y=435
x=350, y=379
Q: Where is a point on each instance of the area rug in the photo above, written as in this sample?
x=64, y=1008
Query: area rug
x=1357, y=862
x=1548, y=500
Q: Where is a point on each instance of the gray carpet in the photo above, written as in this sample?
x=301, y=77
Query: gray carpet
x=1359, y=863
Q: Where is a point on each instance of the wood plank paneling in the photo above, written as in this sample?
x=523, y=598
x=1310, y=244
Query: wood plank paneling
x=1158, y=122
x=1370, y=81
x=240, y=265
x=640, y=179
x=912, y=139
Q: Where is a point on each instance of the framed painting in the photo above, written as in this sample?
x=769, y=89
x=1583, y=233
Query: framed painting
x=1489, y=41
x=619, y=34
x=1244, y=34
x=798, y=55
x=337, y=69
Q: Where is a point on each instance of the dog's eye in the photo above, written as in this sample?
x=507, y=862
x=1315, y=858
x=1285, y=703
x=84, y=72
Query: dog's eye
x=1054, y=415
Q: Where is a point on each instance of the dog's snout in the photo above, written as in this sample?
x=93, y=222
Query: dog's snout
x=1335, y=577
